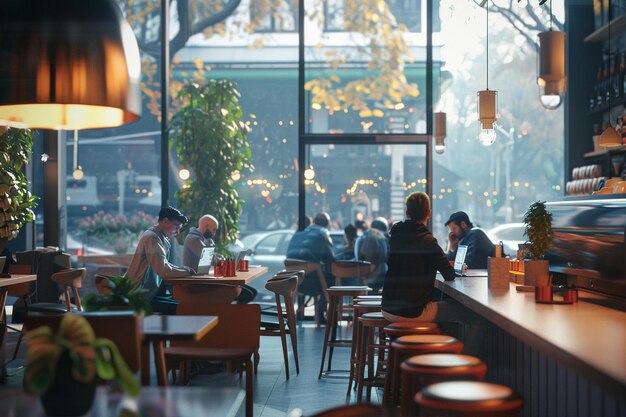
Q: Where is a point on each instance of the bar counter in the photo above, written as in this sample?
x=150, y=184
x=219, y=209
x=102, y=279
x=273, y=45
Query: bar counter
x=578, y=347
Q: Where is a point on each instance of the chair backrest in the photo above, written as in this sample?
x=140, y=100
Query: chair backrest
x=238, y=325
x=299, y=273
x=352, y=269
x=206, y=293
x=285, y=285
x=307, y=267
x=123, y=328
x=71, y=278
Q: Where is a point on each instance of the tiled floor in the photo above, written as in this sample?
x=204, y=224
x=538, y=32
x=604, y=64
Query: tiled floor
x=274, y=396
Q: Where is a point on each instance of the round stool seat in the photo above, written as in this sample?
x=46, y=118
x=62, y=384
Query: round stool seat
x=445, y=364
x=432, y=342
x=374, y=315
x=347, y=290
x=469, y=397
x=406, y=328
x=369, y=297
x=371, y=303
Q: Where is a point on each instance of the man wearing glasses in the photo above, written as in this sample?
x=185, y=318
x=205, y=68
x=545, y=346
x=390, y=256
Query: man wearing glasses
x=150, y=263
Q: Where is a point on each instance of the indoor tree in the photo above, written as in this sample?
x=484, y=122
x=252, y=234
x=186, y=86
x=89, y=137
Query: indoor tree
x=210, y=141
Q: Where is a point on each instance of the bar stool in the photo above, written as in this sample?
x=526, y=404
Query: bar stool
x=406, y=346
x=468, y=399
x=360, y=308
x=407, y=328
x=422, y=370
x=335, y=312
x=368, y=324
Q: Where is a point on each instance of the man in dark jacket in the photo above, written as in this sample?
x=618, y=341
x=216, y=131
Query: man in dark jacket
x=463, y=232
x=313, y=244
x=414, y=259
x=413, y=262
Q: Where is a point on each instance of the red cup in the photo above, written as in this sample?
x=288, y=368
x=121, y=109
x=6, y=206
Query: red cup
x=570, y=296
x=543, y=293
x=243, y=265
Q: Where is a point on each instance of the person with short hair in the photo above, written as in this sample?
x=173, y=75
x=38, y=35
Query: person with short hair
x=150, y=262
x=463, y=232
x=373, y=246
x=414, y=259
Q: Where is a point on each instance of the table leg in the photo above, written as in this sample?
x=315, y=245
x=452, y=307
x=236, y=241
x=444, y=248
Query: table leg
x=145, y=363
x=3, y=330
x=159, y=362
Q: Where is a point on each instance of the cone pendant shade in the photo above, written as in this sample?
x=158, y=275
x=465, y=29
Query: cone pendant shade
x=551, y=78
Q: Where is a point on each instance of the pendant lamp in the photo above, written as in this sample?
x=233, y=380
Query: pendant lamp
x=78, y=173
x=610, y=137
x=551, y=77
x=487, y=104
x=71, y=64
x=440, y=132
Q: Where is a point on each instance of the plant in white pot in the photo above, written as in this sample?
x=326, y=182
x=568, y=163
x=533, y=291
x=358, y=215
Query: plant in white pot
x=539, y=233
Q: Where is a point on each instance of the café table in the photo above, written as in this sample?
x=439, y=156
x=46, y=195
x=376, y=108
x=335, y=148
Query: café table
x=5, y=283
x=242, y=277
x=159, y=328
x=152, y=402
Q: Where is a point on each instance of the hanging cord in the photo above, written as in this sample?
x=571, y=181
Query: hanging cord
x=550, y=15
x=487, y=31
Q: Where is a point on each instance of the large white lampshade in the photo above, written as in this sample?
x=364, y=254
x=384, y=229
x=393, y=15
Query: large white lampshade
x=71, y=64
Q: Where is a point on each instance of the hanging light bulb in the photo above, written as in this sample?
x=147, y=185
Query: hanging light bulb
x=487, y=114
x=440, y=132
x=309, y=173
x=551, y=77
x=522, y=3
x=184, y=173
x=78, y=173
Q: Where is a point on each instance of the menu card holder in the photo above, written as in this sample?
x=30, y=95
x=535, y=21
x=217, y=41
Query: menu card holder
x=498, y=273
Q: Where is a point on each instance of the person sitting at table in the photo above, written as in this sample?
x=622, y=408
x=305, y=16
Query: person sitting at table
x=373, y=246
x=201, y=237
x=150, y=262
x=346, y=253
x=413, y=262
x=463, y=232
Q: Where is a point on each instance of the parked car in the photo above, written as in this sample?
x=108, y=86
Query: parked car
x=511, y=234
x=270, y=249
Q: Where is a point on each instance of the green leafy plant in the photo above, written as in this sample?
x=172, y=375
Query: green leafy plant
x=538, y=229
x=16, y=201
x=90, y=357
x=210, y=141
x=118, y=292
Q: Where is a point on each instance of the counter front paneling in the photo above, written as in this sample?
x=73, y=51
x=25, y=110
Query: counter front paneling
x=586, y=338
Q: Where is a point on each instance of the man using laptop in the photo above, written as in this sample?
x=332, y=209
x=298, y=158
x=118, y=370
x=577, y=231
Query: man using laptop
x=202, y=237
x=463, y=232
x=414, y=259
x=150, y=263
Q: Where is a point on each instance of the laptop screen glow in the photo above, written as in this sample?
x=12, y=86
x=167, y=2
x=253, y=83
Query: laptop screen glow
x=206, y=258
x=461, y=251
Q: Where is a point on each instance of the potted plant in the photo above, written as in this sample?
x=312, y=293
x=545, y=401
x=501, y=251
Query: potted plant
x=117, y=293
x=16, y=201
x=539, y=233
x=210, y=139
x=63, y=367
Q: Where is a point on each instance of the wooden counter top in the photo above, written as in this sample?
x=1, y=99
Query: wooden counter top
x=588, y=337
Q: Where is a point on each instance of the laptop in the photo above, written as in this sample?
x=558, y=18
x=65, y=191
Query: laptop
x=242, y=255
x=459, y=260
x=205, y=261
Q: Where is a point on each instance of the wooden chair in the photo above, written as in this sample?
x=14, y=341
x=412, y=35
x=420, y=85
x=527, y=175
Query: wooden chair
x=234, y=339
x=352, y=269
x=20, y=290
x=284, y=285
x=69, y=279
x=308, y=268
x=124, y=328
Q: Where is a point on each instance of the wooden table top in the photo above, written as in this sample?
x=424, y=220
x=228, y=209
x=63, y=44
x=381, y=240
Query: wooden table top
x=241, y=278
x=17, y=279
x=162, y=327
x=152, y=402
x=587, y=336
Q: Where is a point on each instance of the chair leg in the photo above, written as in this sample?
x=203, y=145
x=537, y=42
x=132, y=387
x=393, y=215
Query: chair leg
x=249, y=392
x=257, y=359
x=329, y=324
x=291, y=321
x=17, y=345
x=283, y=335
